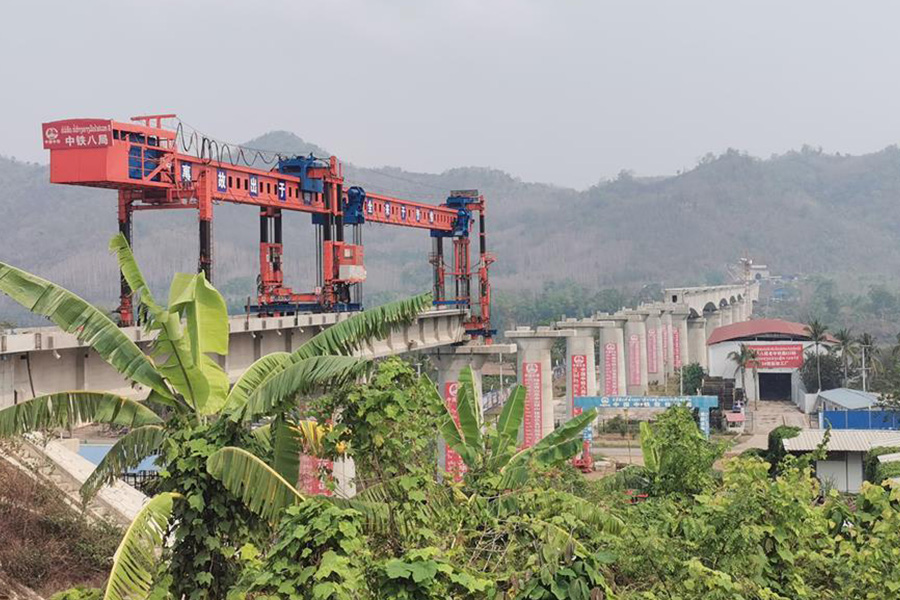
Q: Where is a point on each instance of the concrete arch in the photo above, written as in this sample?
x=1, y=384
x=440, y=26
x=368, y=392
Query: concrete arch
x=732, y=300
x=710, y=308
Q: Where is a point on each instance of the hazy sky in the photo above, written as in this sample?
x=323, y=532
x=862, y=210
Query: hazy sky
x=558, y=91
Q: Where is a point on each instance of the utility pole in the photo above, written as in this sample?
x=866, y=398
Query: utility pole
x=864, y=368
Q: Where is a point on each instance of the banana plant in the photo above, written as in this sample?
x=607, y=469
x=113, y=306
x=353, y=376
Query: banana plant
x=498, y=453
x=180, y=374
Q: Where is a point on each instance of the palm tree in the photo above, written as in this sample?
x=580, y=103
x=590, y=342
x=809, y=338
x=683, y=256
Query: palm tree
x=818, y=333
x=846, y=345
x=184, y=379
x=743, y=358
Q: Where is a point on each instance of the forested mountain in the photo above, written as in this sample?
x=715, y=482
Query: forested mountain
x=802, y=212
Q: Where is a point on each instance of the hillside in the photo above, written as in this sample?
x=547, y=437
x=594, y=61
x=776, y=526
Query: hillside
x=802, y=212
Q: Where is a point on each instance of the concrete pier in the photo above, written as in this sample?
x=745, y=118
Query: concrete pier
x=536, y=374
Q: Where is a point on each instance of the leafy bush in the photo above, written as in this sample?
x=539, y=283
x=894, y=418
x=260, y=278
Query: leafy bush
x=78, y=593
x=776, y=451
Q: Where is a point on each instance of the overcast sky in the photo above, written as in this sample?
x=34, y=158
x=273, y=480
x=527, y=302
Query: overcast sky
x=557, y=91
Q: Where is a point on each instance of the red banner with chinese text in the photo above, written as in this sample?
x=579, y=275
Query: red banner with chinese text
x=534, y=418
x=778, y=356
x=453, y=462
x=611, y=369
x=579, y=380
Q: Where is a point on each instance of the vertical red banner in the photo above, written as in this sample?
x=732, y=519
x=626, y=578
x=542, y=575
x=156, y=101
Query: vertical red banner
x=634, y=359
x=534, y=419
x=312, y=471
x=676, y=347
x=665, y=343
x=652, y=348
x=611, y=369
x=453, y=463
x=579, y=380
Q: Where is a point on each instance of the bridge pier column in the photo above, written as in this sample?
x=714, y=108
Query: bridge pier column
x=612, y=357
x=7, y=380
x=636, y=353
x=581, y=372
x=727, y=313
x=536, y=375
x=680, y=351
x=449, y=366
x=653, y=345
x=713, y=322
x=697, y=343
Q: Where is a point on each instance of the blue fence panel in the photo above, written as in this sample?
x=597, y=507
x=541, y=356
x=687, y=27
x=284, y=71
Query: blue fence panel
x=861, y=419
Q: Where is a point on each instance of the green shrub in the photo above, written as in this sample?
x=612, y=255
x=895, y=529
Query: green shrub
x=78, y=593
x=886, y=471
x=776, y=444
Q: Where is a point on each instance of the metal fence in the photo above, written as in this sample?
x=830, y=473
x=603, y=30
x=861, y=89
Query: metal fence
x=859, y=419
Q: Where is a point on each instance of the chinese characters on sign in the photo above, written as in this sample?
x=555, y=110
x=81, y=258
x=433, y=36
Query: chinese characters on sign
x=778, y=356
x=313, y=473
x=634, y=359
x=77, y=133
x=611, y=369
x=665, y=343
x=453, y=463
x=579, y=380
x=676, y=347
x=652, y=358
x=221, y=180
x=533, y=422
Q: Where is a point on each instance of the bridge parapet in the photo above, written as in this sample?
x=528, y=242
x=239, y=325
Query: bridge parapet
x=44, y=360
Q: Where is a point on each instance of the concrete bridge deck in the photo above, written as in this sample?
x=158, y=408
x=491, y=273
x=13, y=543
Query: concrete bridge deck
x=44, y=360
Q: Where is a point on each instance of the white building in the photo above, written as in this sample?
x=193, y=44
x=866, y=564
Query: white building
x=780, y=348
x=846, y=451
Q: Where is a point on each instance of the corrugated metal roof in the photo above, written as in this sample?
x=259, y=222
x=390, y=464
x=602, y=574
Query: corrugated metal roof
x=886, y=458
x=842, y=440
x=849, y=399
x=757, y=327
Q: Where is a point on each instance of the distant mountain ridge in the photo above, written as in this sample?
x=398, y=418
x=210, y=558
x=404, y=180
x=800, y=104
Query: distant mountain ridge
x=803, y=211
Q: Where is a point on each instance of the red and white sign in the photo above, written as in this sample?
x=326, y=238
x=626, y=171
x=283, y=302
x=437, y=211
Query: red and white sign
x=534, y=418
x=453, y=462
x=611, y=369
x=77, y=133
x=312, y=472
x=579, y=380
x=634, y=359
x=676, y=347
x=778, y=356
x=665, y=343
x=652, y=358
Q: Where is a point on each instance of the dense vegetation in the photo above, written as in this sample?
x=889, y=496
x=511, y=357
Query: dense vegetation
x=229, y=520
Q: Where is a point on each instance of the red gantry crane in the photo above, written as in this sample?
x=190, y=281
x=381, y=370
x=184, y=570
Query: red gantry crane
x=141, y=160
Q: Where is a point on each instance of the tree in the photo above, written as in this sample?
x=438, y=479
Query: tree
x=818, y=333
x=846, y=345
x=828, y=369
x=692, y=377
x=185, y=381
x=743, y=358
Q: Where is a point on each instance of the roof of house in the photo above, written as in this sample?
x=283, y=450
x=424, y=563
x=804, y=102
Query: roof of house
x=761, y=327
x=848, y=399
x=892, y=457
x=842, y=440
